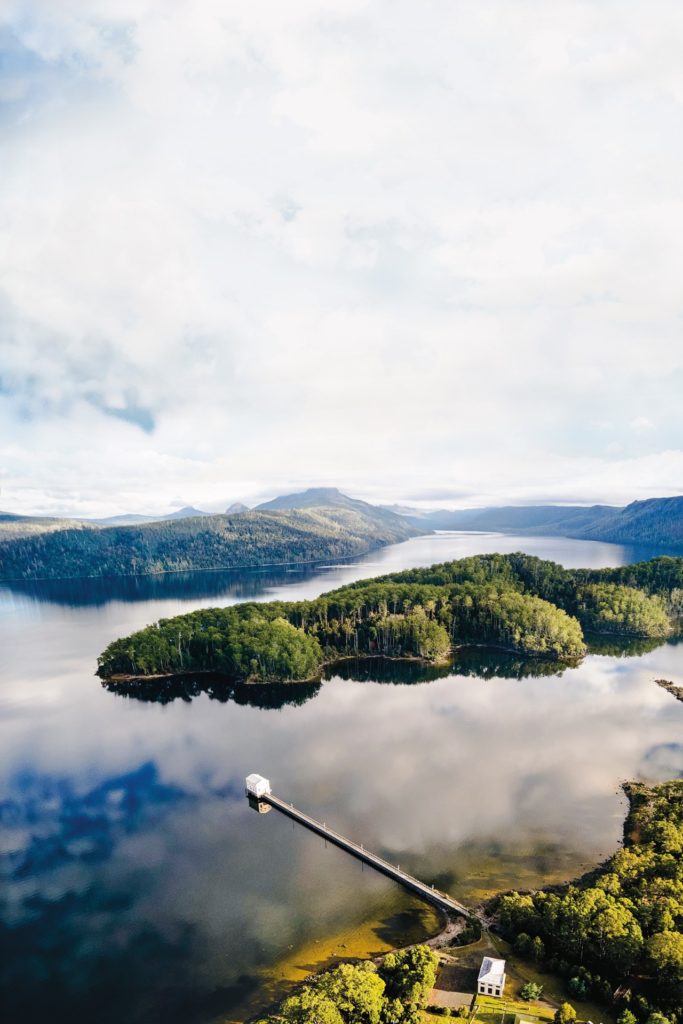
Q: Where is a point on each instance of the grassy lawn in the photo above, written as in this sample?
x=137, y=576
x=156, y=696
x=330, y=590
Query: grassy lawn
x=437, y=1018
x=489, y=1010
x=554, y=990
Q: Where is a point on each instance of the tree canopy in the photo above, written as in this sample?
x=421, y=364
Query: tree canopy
x=361, y=993
x=206, y=542
x=626, y=919
x=516, y=602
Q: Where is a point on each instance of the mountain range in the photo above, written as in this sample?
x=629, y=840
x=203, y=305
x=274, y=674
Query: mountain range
x=16, y=525
x=297, y=528
x=655, y=521
x=319, y=523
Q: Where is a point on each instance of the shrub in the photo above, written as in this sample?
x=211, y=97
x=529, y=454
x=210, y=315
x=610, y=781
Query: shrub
x=577, y=987
x=566, y=1014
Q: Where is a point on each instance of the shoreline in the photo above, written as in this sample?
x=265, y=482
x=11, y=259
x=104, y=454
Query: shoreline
x=447, y=930
x=452, y=924
x=232, y=681
x=399, y=659
x=670, y=687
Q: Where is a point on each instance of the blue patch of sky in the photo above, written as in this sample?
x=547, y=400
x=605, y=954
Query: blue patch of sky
x=31, y=81
x=24, y=75
x=131, y=412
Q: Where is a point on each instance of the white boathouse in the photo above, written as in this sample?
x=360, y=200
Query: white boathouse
x=491, y=980
x=257, y=786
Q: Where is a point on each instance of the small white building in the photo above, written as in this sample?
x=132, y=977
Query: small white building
x=257, y=786
x=491, y=981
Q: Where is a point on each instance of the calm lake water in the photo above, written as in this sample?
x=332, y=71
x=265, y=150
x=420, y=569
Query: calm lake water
x=138, y=886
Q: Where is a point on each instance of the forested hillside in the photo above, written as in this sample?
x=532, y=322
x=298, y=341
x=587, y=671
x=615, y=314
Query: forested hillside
x=206, y=542
x=656, y=522
x=317, y=523
x=13, y=526
x=549, y=520
x=621, y=928
x=516, y=602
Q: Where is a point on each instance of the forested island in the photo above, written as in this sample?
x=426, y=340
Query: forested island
x=518, y=602
x=619, y=930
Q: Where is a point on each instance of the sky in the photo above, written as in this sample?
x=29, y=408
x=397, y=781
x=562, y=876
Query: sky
x=428, y=253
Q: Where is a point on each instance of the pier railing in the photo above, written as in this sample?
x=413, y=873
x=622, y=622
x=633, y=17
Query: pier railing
x=394, y=871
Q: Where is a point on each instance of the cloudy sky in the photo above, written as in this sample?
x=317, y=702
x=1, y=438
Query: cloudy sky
x=423, y=251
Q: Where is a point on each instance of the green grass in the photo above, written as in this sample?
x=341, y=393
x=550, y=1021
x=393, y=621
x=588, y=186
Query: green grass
x=490, y=1010
x=555, y=991
x=519, y=971
x=438, y=1018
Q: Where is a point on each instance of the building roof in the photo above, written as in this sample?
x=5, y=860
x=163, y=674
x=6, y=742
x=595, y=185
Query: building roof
x=254, y=779
x=492, y=971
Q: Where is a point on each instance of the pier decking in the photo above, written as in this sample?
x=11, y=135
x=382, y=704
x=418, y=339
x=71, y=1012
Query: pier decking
x=393, y=871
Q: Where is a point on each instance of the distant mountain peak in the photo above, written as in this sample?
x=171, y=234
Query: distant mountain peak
x=331, y=493
x=333, y=503
x=312, y=497
x=186, y=512
x=236, y=507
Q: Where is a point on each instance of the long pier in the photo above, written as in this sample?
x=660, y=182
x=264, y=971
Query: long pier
x=393, y=871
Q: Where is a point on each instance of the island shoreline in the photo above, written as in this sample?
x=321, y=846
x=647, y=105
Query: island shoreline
x=403, y=659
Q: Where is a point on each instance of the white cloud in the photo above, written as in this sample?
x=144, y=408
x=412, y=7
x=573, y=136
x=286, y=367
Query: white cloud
x=641, y=424
x=346, y=242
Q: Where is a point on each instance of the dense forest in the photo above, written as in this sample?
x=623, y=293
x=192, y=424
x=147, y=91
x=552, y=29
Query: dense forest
x=516, y=602
x=204, y=542
x=655, y=521
x=14, y=526
x=643, y=599
x=621, y=928
x=318, y=523
x=392, y=993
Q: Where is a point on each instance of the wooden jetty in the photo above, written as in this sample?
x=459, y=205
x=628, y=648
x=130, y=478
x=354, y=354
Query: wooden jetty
x=393, y=871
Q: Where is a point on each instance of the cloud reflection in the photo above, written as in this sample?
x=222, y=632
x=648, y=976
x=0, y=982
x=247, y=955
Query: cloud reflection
x=139, y=886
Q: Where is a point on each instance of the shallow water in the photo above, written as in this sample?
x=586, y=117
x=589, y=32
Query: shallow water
x=139, y=886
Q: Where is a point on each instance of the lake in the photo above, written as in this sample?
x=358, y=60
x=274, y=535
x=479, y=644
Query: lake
x=138, y=885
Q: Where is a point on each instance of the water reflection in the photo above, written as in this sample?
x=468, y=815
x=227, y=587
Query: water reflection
x=484, y=663
x=257, y=695
x=388, y=670
x=136, y=883
x=304, y=579
x=624, y=646
x=497, y=664
x=239, y=584
x=478, y=662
